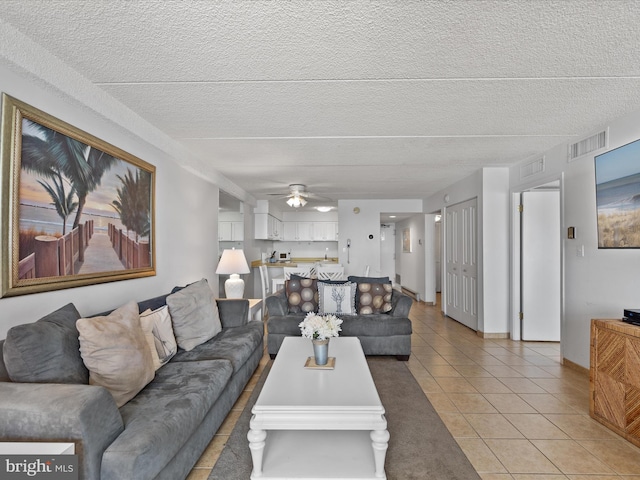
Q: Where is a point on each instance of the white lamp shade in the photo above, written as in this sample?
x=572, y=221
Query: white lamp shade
x=232, y=262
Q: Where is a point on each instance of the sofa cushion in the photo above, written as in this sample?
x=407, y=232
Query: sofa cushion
x=374, y=298
x=114, y=350
x=158, y=332
x=338, y=299
x=163, y=416
x=356, y=279
x=375, y=325
x=47, y=351
x=234, y=344
x=302, y=294
x=367, y=325
x=194, y=314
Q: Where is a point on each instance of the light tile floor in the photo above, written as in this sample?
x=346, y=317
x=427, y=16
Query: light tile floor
x=515, y=411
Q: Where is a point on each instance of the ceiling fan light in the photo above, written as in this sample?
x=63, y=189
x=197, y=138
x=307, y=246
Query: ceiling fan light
x=296, y=201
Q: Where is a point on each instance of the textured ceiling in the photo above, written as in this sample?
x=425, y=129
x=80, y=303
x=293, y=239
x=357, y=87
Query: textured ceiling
x=355, y=99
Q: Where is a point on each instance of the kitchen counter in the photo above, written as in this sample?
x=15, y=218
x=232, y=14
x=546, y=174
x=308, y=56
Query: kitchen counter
x=294, y=262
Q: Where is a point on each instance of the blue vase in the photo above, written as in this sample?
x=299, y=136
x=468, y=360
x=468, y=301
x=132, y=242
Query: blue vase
x=321, y=351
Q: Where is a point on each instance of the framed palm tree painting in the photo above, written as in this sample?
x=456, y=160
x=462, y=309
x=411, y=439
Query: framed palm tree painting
x=75, y=210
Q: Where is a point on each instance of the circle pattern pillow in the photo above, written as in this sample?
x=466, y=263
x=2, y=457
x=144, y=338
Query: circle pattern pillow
x=374, y=298
x=302, y=294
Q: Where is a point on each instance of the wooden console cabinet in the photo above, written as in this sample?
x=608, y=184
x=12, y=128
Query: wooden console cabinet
x=615, y=377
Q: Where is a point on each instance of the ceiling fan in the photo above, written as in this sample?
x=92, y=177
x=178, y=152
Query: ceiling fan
x=298, y=195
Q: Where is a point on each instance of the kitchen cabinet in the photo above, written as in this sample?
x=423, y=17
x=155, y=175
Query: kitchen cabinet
x=325, y=231
x=298, y=231
x=310, y=231
x=268, y=227
x=230, y=231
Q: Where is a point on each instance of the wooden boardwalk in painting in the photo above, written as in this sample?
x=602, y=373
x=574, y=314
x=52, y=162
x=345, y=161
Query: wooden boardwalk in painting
x=100, y=256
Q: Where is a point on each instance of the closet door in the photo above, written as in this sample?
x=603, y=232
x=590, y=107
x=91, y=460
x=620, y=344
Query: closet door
x=462, y=263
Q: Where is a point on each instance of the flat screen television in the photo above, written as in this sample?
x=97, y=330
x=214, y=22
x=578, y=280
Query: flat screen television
x=617, y=175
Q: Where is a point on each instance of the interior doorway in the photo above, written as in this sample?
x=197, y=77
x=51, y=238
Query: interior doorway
x=388, y=251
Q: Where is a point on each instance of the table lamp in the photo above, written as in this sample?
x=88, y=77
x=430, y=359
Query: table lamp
x=232, y=262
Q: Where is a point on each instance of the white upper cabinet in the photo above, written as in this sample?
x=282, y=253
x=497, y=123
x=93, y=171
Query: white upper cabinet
x=310, y=231
x=325, y=231
x=268, y=227
x=231, y=231
x=298, y=231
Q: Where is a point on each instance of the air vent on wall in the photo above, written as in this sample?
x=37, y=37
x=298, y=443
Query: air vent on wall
x=531, y=168
x=588, y=145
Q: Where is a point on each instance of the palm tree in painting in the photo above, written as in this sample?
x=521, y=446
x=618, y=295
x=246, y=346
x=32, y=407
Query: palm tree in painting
x=64, y=203
x=50, y=153
x=133, y=202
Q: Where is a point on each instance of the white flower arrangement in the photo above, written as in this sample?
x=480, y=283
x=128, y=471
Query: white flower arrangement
x=320, y=327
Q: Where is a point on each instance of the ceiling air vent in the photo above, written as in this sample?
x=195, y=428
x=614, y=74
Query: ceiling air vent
x=531, y=168
x=588, y=145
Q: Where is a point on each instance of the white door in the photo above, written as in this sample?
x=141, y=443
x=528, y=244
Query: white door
x=540, y=265
x=461, y=288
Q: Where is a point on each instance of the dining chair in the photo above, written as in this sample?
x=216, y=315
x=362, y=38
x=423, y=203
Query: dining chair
x=264, y=281
x=330, y=272
x=301, y=271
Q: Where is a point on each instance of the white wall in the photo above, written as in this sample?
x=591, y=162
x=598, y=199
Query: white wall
x=494, y=231
x=603, y=282
x=358, y=226
x=186, y=231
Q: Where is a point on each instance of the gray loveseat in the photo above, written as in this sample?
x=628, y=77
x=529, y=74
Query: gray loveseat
x=163, y=430
x=379, y=333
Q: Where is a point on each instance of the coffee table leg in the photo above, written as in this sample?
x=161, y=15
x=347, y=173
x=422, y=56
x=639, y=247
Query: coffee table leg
x=256, y=445
x=380, y=440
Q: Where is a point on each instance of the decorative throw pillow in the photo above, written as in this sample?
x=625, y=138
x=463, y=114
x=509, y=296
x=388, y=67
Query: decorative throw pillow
x=194, y=314
x=302, y=294
x=47, y=351
x=115, y=352
x=339, y=299
x=374, y=298
x=158, y=332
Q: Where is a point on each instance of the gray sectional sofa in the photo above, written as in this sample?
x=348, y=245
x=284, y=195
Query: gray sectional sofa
x=379, y=333
x=162, y=431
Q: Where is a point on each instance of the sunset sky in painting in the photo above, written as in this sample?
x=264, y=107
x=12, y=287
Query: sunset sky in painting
x=32, y=193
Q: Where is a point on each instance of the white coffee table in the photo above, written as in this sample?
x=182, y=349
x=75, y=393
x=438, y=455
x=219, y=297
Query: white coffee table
x=322, y=423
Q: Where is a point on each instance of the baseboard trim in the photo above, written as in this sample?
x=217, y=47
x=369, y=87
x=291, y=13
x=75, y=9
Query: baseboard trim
x=492, y=335
x=575, y=366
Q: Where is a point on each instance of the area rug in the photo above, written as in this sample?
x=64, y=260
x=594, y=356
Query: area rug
x=420, y=445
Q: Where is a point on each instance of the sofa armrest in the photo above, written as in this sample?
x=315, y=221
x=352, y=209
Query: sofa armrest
x=401, y=304
x=277, y=304
x=234, y=312
x=44, y=412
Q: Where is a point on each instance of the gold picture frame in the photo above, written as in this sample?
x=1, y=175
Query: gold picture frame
x=74, y=211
